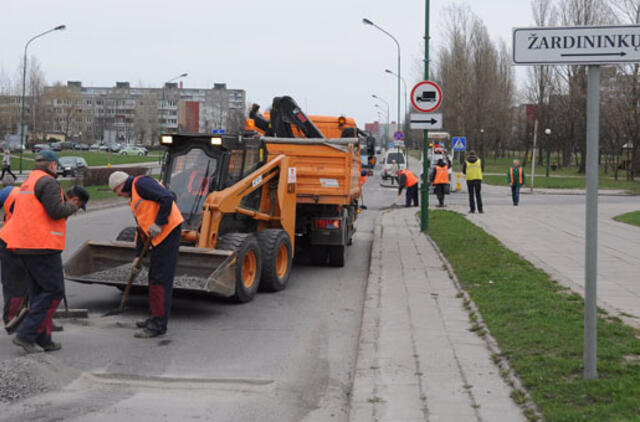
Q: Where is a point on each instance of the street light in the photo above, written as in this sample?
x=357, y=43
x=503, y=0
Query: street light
x=24, y=87
x=387, y=111
x=368, y=22
x=405, y=90
x=482, y=143
x=182, y=75
x=548, y=138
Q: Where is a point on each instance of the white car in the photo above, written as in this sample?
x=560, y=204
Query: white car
x=387, y=162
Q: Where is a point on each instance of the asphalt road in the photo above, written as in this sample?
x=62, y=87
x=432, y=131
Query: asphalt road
x=287, y=356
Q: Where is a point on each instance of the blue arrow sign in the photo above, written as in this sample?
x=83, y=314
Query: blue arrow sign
x=459, y=143
x=398, y=135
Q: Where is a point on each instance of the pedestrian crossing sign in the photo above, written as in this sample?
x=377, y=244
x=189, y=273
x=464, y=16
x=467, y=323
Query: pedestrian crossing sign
x=459, y=143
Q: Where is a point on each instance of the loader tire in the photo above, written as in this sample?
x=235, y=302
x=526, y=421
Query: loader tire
x=248, y=264
x=128, y=234
x=275, y=246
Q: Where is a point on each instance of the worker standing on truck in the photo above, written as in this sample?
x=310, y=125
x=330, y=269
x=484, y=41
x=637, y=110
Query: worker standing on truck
x=36, y=232
x=160, y=222
x=14, y=277
x=408, y=180
x=472, y=169
x=440, y=178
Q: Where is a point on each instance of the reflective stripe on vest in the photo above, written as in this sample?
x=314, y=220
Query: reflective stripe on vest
x=30, y=227
x=145, y=213
x=519, y=175
x=411, y=178
x=442, y=175
x=474, y=170
x=9, y=202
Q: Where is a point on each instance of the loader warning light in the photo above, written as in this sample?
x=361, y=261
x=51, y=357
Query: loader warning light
x=166, y=139
x=342, y=120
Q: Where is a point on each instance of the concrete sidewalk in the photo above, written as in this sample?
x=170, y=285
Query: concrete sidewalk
x=417, y=359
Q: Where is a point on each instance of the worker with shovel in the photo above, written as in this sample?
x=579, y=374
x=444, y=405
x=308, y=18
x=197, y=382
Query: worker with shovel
x=36, y=234
x=408, y=180
x=159, y=225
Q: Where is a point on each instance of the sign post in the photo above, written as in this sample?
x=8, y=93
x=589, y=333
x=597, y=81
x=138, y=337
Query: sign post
x=424, y=191
x=591, y=46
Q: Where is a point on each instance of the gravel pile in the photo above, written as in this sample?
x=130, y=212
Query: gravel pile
x=121, y=274
x=29, y=375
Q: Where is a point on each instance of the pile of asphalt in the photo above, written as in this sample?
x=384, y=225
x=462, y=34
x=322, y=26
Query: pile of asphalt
x=30, y=375
x=121, y=274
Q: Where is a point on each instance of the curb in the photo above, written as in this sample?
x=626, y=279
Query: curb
x=498, y=358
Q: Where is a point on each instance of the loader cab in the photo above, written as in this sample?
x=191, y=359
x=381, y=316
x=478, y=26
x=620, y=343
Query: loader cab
x=197, y=164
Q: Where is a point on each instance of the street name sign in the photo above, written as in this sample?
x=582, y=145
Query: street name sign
x=426, y=121
x=576, y=45
x=459, y=143
x=426, y=96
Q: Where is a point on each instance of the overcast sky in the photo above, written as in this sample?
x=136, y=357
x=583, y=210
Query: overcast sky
x=318, y=52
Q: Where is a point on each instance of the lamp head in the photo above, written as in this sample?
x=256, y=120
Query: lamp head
x=388, y=71
x=60, y=28
x=481, y=130
x=366, y=21
x=184, y=75
x=547, y=131
x=374, y=95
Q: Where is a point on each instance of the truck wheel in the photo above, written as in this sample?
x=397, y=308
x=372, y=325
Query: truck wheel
x=248, y=264
x=128, y=234
x=337, y=255
x=319, y=254
x=276, y=259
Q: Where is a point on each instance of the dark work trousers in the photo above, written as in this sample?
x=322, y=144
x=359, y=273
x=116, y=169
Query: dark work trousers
x=412, y=195
x=515, y=194
x=45, y=284
x=439, y=193
x=14, y=284
x=7, y=169
x=473, y=186
x=161, y=272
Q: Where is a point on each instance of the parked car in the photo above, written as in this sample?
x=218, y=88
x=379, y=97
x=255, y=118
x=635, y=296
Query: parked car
x=133, y=150
x=110, y=148
x=95, y=146
x=71, y=166
x=387, y=162
x=82, y=147
x=56, y=146
x=39, y=147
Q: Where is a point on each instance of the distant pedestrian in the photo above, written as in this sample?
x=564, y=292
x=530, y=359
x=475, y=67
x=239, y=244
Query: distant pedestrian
x=440, y=178
x=408, y=180
x=394, y=171
x=6, y=165
x=472, y=169
x=515, y=177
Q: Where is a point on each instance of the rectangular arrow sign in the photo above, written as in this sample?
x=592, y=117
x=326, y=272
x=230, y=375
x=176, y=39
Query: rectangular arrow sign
x=426, y=121
x=576, y=45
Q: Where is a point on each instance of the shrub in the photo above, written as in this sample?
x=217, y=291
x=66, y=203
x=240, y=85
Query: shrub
x=100, y=176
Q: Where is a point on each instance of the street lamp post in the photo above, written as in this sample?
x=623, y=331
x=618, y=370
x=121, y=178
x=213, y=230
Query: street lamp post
x=547, y=141
x=368, y=22
x=405, y=91
x=387, y=111
x=182, y=75
x=482, y=143
x=24, y=87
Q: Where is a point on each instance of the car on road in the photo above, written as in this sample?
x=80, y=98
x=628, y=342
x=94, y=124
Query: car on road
x=110, y=148
x=81, y=147
x=39, y=147
x=133, y=150
x=71, y=166
x=56, y=146
x=387, y=162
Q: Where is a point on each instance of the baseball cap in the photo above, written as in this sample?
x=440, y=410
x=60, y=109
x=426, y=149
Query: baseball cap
x=81, y=193
x=47, y=155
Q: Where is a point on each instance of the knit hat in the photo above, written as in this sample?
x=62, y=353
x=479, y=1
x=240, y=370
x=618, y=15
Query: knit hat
x=117, y=178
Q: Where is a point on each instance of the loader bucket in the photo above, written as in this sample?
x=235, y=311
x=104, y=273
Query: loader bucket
x=109, y=263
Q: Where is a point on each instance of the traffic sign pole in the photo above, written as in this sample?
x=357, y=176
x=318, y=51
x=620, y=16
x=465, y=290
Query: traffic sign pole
x=424, y=203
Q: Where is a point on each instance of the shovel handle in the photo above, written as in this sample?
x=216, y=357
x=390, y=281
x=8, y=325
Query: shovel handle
x=125, y=294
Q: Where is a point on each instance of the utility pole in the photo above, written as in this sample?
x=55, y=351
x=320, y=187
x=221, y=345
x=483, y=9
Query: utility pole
x=424, y=214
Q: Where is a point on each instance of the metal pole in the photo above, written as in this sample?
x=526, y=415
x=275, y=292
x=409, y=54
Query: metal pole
x=591, y=240
x=424, y=214
x=24, y=87
x=533, y=158
x=548, y=154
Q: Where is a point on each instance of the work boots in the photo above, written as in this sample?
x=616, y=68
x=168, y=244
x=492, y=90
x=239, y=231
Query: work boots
x=29, y=348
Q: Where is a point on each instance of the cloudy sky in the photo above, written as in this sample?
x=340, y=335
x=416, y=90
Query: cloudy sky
x=318, y=52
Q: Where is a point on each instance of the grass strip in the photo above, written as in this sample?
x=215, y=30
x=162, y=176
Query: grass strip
x=629, y=218
x=568, y=183
x=539, y=327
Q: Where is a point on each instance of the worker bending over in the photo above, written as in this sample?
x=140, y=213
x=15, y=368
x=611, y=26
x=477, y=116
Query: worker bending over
x=36, y=232
x=408, y=180
x=160, y=221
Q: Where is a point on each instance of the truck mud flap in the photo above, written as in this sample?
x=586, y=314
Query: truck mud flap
x=109, y=263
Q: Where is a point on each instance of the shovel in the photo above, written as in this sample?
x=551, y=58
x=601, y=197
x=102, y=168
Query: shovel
x=132, y=275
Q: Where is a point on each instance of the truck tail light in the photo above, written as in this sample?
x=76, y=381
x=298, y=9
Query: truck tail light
x=326, y=223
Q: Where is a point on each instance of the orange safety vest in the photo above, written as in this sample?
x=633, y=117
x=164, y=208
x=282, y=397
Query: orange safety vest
x=442, y=175
x=145, y=213
x=519, y=175
x=363, y=180
x=8, y=203
x=411, y=178
x=30, y=227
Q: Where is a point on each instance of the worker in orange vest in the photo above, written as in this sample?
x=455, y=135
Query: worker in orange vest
x=408, y=180
x=36, y=233
x=440, y=178
x=515, y=177
x=160, y=220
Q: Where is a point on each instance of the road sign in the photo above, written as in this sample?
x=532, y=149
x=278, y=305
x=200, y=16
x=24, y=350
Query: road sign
x=398, y=135
x=577, y=45
x=426, y=96
x=426, y=121
x=459, y=143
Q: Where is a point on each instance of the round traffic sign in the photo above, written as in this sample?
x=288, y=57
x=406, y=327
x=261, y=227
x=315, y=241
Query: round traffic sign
x=398, y=135
x=426, y=96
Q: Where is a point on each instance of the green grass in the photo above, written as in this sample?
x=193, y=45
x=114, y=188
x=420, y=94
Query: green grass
x=568, y=183
x=97, y=193
x=93, y=158
x=629, y=218
x=539, y=327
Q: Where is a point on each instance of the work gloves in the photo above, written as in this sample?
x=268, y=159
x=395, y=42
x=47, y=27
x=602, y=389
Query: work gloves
x=154, y=230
